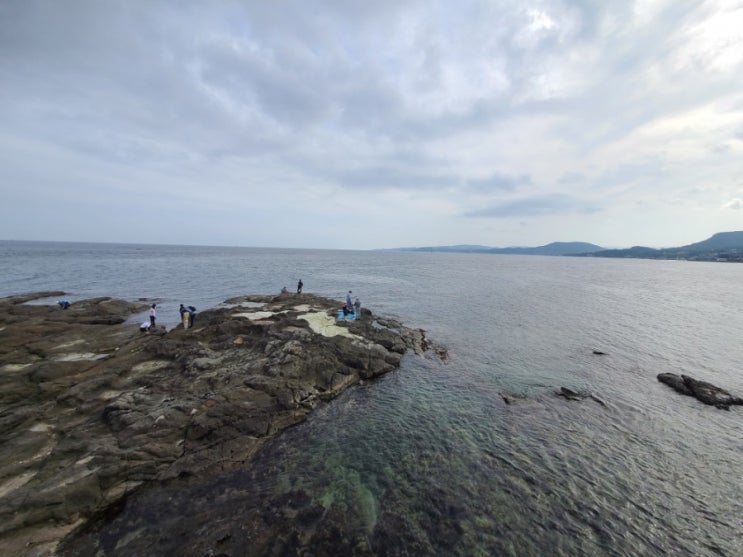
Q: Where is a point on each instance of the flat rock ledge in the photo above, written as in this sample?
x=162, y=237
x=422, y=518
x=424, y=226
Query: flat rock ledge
x=92, y=409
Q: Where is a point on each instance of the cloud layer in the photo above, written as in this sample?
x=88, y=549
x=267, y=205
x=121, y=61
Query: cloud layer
x=359, y=125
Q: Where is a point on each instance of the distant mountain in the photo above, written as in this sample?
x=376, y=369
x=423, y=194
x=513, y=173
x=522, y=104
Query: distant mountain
x=721, y=240
x=555, y=248
x=455, y=249
x=635, y=251
x=723, y=246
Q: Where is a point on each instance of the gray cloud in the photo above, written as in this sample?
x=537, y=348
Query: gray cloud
x=536, y=206
x=499, y=182
x=257, y=102
x=572, y=178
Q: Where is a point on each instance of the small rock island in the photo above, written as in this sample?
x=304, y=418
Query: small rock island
x=91, y=408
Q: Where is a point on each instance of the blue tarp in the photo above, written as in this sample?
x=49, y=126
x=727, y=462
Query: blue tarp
x=349, y=317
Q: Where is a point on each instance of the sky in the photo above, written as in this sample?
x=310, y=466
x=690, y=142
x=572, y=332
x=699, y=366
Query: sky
x=360, y=125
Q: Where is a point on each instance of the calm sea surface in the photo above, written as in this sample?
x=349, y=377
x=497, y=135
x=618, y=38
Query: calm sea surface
x=429, y=460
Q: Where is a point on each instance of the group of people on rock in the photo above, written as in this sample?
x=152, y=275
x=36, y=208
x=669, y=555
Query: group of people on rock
x=285, y=290
x=148, y=326
x=350, y=308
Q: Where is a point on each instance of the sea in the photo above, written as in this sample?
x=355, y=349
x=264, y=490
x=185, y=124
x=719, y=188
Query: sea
x=430, y=459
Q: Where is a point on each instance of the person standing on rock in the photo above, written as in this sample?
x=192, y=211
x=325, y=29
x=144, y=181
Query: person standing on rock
x=349, y=303
x=357, y=307
x=153, y=315
x=300, y=284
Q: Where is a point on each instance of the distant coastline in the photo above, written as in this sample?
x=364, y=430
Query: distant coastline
x=721, y=247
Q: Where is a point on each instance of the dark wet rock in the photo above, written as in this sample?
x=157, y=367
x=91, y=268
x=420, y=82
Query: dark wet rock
x=701, y=390
x=91, y=409
x=676, y=382
x=511, y=398
x=564, y=392
x=570, y=394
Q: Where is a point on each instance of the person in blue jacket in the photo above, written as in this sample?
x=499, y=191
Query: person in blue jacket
x=191, y=314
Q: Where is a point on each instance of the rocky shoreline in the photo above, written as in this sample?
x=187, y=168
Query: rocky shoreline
x=92, y=409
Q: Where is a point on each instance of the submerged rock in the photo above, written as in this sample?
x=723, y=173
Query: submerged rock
x=511, y=398
x=570, y=394
x=93, y=409
x=564, y=392
x=701, y=390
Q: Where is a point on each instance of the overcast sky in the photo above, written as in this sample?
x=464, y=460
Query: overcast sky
x=357, y=124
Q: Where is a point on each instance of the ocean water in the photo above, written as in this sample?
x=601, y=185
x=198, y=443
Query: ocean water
x=429, y=460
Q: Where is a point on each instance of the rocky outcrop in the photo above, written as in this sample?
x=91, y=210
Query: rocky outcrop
x=92, y=409
x=701, y=390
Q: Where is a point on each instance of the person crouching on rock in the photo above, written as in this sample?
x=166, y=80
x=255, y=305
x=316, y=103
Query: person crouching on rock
x=346, y=311
x=191, y=314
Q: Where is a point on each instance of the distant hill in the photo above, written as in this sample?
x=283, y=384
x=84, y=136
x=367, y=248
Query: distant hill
x=721, y=240
x=723, y=246
x=455, y=249
x=555, y=248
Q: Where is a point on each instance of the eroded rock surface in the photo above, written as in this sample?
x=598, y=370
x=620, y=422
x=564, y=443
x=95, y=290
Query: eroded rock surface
x=91, y=408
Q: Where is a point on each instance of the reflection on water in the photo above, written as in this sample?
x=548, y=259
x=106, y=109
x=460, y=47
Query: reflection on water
x=430, y=460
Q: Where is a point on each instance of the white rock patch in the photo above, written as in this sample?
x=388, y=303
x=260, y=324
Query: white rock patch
x=15, y=367
x=70, y=344
x=80, y=356
x=16, y=482
x=255, y=316
x=324, y=324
